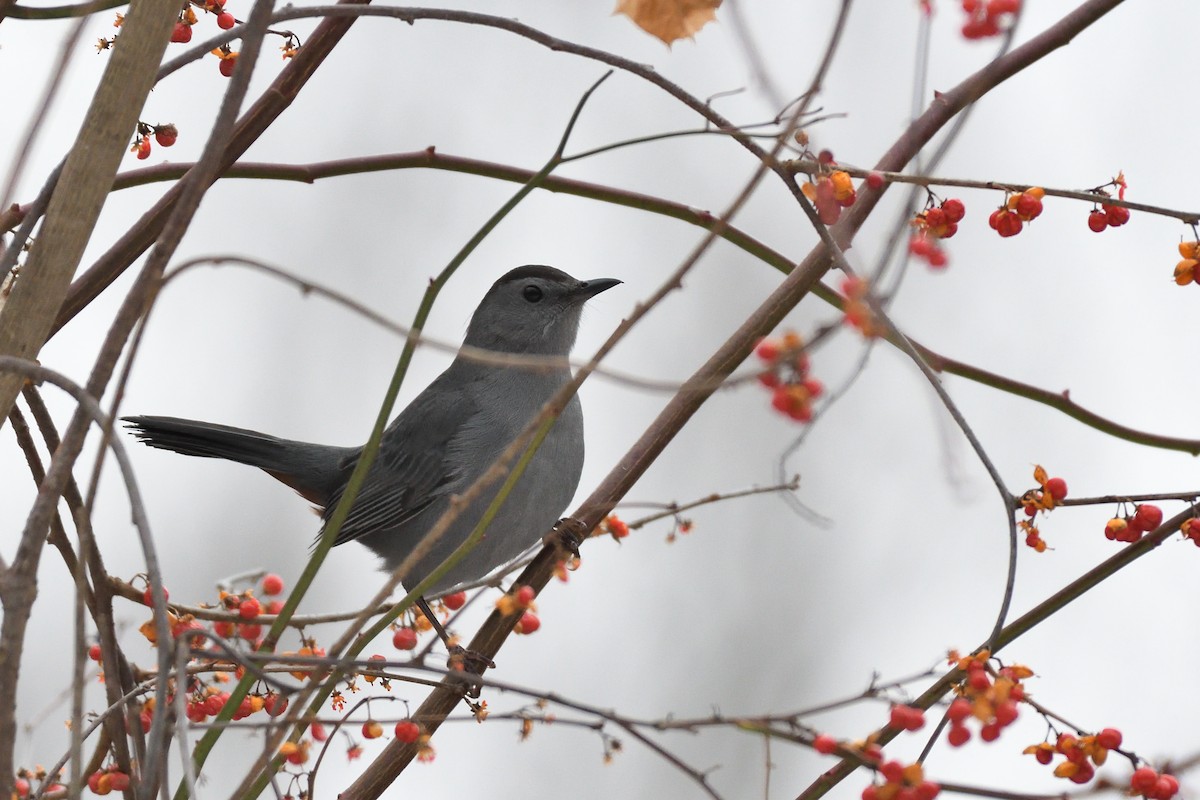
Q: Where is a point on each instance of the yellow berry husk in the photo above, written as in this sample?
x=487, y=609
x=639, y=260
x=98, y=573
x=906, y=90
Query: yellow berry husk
x=809, y=191
x=1036, y=191
x=914, y=774
x=887, y=791
x=256, y=703
x=1185, y=271
x=843, y=186
x=1066, y=769
x=1189, y=249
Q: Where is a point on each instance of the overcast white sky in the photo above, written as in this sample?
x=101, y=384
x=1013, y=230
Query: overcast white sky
x=758, y=610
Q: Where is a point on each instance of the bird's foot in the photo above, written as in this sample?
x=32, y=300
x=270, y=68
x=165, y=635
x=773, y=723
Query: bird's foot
x=568, y=533
x=471, y=664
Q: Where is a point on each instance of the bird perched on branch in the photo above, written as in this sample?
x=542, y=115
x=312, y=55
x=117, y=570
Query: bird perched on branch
x=444, y=440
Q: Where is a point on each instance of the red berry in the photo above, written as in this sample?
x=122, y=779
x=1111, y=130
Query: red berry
x=249, y=608
x=227, y=64
x=455, y=601
x=1057, y=488
x=997, y=7
x=525, y=596
x=927, y=790
x=1116, y=215
x=225, y=20
x=214, y=703
x=1097, y=221
x=825, y=157
x=892, y=771
x=372, y=729
x=1084, y=774
x=94, y=652
x=147, y=596
x=1008, y=223
x=250, y=631
x=920, y=245
x=994, y=218
x=143, y=148
x=1006, y=713
x=166, y=135
x=1044, y=756
x=275, y=704
x=958, y=735
x=22, y=787
x=1146, y=518
x=272, y=584
x=1109, y=738
x=875, y=180
x=528, y=623
x=825, y=744
x=1144, y=780
x=990, y=732
x=407, y=731
x=959, y=710
x=182, y=33
x=404, y=639
x=1166, y=788
x=935, y=218
x=274, y=607
x=1028, y=206
x=937, y=259
x=954, y=209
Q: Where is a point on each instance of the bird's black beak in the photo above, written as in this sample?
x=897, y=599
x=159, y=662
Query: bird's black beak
x=595, y=286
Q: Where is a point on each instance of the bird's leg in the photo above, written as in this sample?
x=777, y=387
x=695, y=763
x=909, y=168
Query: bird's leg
x=473, y=663
x=567, y=534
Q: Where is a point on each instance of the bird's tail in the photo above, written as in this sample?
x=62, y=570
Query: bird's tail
x=313, y=470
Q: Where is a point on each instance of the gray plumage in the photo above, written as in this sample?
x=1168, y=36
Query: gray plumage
x=443, y=441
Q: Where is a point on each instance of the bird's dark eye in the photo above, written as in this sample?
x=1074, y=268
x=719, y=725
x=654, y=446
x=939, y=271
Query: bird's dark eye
x=532, y=293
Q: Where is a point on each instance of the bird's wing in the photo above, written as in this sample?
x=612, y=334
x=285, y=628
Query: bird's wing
x=411, y=470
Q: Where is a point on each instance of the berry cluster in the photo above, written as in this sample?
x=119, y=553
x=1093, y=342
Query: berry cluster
x=1010, y=218
x=1186, y=270
x=165, y=135
x=856, y=308
x=906, y=718
x=1082, y=754
x=986, y=18
x=105, y=781
x=902, y=781
x=793, y=390
x=520, y=598
x=613, y=526
x=1051, y=494
x=249, y=608
x=1107, y=216
x=931, y=226
x=23, y=786
x=992, y=702
x=830, y=194
x=1149, y=783
x=1128, y=528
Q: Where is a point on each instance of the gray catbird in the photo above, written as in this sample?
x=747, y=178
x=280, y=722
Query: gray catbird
x=443, y=440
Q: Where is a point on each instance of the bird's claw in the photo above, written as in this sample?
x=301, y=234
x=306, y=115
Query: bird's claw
x=471, y=664
x=568, y=533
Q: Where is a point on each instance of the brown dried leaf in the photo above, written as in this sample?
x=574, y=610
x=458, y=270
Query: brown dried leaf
x=669, y=20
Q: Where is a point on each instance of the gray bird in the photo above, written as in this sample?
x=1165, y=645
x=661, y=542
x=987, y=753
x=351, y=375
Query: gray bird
x=443, y=441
